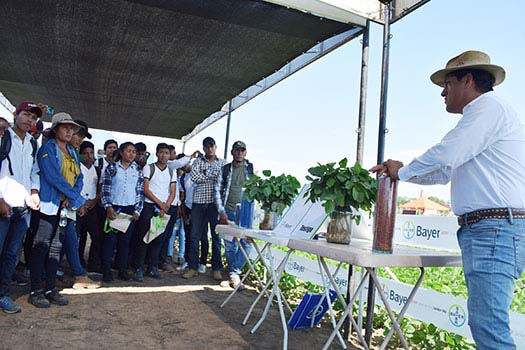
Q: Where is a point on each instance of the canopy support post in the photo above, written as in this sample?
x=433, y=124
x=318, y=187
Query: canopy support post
x=228, y=129
x=380, y=146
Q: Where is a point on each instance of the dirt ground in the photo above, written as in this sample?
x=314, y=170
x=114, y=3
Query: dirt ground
x=171, y=313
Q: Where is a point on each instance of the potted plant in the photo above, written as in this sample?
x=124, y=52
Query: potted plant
x=344, y=192
x=274, y=193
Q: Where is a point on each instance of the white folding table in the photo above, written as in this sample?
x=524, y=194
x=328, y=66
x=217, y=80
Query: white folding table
x=274, y=267
x=359, y=253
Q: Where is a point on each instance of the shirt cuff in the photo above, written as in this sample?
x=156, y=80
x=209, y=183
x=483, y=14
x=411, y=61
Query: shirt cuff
x=404, y=173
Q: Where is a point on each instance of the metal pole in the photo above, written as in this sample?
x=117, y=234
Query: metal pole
x=363, y=95
x=228, y=129
x=183, y=146
x=360, y=137
x=380, y=148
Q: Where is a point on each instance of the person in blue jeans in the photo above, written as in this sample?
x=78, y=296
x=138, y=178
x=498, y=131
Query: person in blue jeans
x=484, y=159
x=228, y=196
x=122, y=191
x=205, y=174
x=19, y=192
x=60, y=184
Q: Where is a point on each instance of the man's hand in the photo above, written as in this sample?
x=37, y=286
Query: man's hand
x=90, y=204
x=195, y=154
x=164, y=207
x=82, y=210
x=110, y=212
x=65, y=203
x=389, y=168
x=136, y=216
x=34, y=200
x=5, y=209
x=223, y=219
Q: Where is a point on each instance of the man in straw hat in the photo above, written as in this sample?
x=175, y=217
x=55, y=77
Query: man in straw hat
x=484, y=159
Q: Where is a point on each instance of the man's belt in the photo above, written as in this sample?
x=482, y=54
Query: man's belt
x=494, y=213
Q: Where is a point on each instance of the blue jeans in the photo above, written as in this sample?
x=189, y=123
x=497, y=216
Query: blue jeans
x=119, y=239
x=70, y=248
x=178, y=231
x=232, y=252
x=12, y=232
x=167, y=235
x=493, y=253
x=201, y=215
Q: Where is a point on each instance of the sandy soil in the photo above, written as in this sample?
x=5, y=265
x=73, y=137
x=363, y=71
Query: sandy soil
x=171, y=313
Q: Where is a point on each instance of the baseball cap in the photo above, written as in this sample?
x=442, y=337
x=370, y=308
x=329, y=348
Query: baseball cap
x=83, y=128
x=208, y=141
x=29, y=106
x=238, y=144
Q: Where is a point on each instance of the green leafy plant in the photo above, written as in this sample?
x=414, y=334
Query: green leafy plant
x=274, y=193
x=342, y=188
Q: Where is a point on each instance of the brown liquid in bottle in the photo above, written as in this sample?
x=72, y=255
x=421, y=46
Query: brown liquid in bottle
x=385, y=215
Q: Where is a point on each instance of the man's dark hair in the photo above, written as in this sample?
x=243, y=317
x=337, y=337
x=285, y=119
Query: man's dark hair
x=160, y=146
x=180, y=155
x=484, y=80
x=109, y=142
x=171, y=147
x=86, y=144
x=140, y=147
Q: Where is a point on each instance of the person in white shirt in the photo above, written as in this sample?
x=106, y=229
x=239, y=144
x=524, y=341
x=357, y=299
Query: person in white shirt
x=160, y=186
x=90, y=221
x=19, y=192
x=483, y=157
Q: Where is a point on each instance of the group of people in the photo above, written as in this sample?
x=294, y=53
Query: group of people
x=53, y=196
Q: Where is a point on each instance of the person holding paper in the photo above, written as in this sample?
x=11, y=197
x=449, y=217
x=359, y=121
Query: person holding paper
x=122, y=191
x=160, y=185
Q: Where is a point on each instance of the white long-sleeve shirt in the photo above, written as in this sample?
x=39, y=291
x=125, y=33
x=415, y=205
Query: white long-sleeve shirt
x=483, y=157
x=16, y=188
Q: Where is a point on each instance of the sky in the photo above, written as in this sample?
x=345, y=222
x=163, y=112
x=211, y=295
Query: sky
x=311, y=116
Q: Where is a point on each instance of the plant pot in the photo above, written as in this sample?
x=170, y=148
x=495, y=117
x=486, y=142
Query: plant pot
x=339, y=228
x=269, y=220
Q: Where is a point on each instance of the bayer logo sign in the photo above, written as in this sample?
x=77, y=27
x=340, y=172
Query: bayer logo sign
x=408, y=229
x=457, y=315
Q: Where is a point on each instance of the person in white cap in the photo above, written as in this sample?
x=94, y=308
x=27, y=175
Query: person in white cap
x=483, y=157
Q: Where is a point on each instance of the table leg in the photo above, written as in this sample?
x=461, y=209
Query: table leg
x=276, y=277
x=251, y=269
x=267, y=285
x=405, y=307
x=329, y=301
x=346, y=313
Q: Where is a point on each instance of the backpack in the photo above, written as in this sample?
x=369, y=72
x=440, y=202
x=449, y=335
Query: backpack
x=5, y=148
x=152, y=171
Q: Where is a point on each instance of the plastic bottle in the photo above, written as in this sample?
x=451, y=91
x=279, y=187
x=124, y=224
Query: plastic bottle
x=63, y=217
x=385, y=215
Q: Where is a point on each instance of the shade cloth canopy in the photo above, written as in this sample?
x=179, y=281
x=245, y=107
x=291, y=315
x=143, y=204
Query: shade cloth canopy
x=158, y=67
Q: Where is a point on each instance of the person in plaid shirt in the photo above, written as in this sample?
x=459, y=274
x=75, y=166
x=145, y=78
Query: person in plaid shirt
x=122, y=191
x=205, y=174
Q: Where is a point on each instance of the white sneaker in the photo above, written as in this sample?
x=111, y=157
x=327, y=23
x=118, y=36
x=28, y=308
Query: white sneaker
x=183, y=267
x=202, y=268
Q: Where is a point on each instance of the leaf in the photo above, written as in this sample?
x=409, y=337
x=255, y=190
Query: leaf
x=343, y=162
x=330, y=182
x=357, y=195
x=267, y=173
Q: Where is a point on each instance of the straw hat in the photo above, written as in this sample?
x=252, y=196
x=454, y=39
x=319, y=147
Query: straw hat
x=469, y=59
